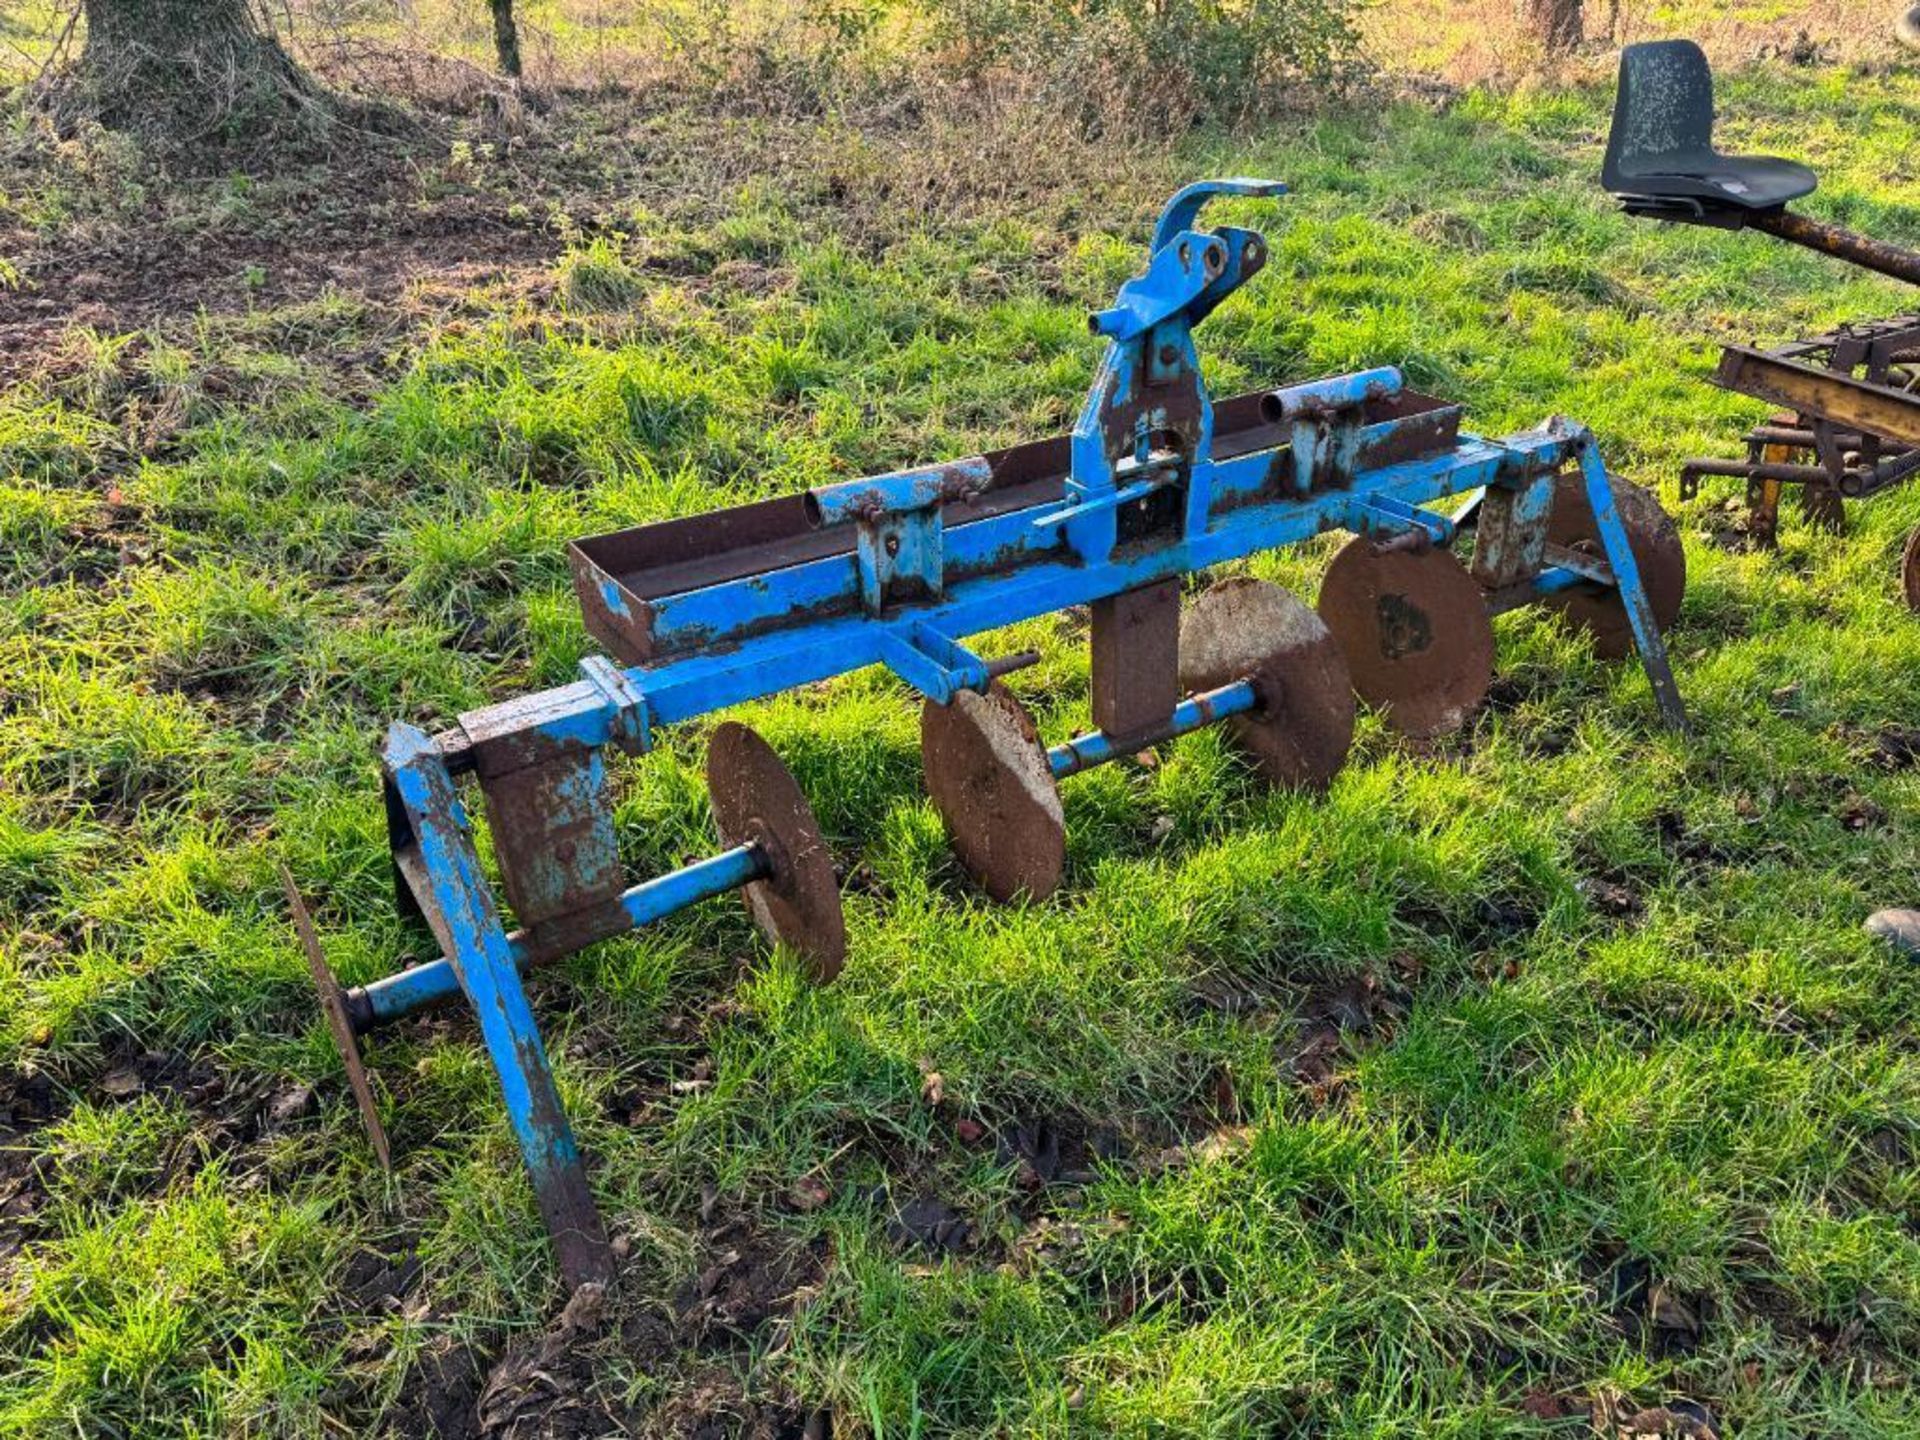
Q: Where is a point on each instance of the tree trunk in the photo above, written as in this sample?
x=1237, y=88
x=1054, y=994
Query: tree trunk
x=195, y=71
x=1557, y=24
x=506, y=38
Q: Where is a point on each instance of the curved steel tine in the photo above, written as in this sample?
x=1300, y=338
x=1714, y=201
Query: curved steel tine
x=344, y=1040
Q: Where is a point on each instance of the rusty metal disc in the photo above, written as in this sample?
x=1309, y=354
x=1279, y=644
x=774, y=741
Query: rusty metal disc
x=988, y=775
x=334, y=1006
x=1657, y=551
x=1247, y=629
x=757, y=801
x=1910, y=571
x=1415, y=630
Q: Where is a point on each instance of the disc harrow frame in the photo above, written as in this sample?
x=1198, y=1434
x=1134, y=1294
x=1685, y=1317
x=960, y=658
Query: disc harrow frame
x=1156, y=482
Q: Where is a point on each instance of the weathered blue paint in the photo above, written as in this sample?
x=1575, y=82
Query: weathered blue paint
x=1196, y=712
x=464, y=915
x=734, y=618
x=897, y=520
x=1044, y=581
x=1174, y=279
x=1510, y=529
x=1145, y=500
x=1180, y=212
x=1380, y=512
x=1335, y=392
x=552, y=827
x=930, y=662
x=1556, y=580
x=627, y=706
x=906, y=490
x=1633, y=595
x=434, y=983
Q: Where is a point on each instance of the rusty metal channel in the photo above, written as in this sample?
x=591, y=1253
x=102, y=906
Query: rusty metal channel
x=616, y=575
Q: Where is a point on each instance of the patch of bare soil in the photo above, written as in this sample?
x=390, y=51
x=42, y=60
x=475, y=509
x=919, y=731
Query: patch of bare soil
x=228, y=1111
x=1336, y=1021
x=227, y=1116
x=371, y=221
x=750, y=1279
x=543, y=1386
x=441, y=1395
x=554, y=1385
x=143, y=276
x=27, y=1103
x=714, y=1406
x=491, y=196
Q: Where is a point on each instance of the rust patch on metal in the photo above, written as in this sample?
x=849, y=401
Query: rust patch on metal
x=989, y=778
x=617, y=576
x=1657, y=551
x=1243, y=629
x=756, y=801
x=334, y=1006
x=1136, y=661
x=560, y=1187
x=1855, y=249
x=1415, y=630
x=552, y=827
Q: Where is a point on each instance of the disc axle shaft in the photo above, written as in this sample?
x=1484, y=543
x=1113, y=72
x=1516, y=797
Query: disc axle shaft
x=434, y=983
x=1196, y=712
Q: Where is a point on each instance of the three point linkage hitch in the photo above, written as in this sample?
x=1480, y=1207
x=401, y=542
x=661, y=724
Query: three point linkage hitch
x=1156, y=482
x=1850, y=424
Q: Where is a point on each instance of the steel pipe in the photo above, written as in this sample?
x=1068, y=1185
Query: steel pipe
x=1855, y=249
x=1196, y=712
x=434, y=983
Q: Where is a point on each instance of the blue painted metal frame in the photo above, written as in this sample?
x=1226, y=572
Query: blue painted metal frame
x=430, y=985
x=745, y=660
x=913, y=584
x=460, y=904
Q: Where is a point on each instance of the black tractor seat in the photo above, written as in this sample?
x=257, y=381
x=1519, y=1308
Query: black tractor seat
x=1660, y=156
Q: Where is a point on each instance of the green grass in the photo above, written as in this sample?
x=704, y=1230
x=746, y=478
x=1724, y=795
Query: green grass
x=205, y=622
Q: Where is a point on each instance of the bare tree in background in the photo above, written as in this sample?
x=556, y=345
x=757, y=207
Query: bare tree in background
x=186, y=70
x=506, y=38
x=1557, y=24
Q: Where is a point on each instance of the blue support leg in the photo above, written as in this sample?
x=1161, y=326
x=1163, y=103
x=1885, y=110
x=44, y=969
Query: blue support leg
x=468, y=925
x=1633, y=595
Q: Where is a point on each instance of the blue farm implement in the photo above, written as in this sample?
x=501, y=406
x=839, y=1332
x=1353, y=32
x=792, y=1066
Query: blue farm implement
x=1850, y=419
x=1157, y=482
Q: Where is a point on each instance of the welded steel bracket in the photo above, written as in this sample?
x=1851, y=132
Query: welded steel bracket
x=1386, y=516
x=626, y=706
x=932, y=663
x=1138, y=471
x=1510, y=528
x=1324, y=418
x=897, y=526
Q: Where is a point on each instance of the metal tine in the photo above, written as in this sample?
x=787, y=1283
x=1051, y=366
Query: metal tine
x=334, y=1006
